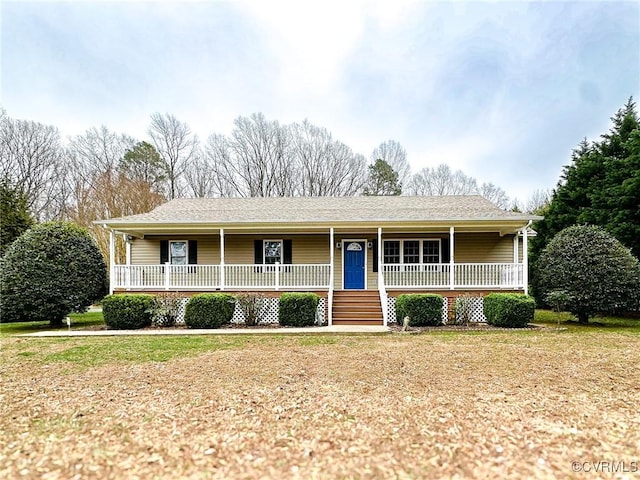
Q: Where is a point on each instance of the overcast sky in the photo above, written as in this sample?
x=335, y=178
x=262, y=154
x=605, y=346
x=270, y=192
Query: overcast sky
x=503, y=91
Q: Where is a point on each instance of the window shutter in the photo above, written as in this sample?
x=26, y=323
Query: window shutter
x=287, y=253
x=444, y=245
x=193, y=252
x=164, y=251
x=375, y=255
x=257, y=252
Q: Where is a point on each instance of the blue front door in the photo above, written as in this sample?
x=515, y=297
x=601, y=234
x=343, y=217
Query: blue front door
x=354, y=265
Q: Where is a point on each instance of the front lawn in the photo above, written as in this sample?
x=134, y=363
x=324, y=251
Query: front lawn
x=493, y=404
x=79, y=321
x=550, y=319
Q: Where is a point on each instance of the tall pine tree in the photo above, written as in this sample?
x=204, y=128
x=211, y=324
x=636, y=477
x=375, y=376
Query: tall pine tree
x=601, y=186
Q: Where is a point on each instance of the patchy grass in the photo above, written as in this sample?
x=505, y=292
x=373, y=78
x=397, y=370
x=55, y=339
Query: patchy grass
x=78, y=353
x=445, y=405
x=79, y=321
x=550, y=318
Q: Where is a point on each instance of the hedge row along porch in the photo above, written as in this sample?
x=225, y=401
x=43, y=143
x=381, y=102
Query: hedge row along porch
x=358, y=253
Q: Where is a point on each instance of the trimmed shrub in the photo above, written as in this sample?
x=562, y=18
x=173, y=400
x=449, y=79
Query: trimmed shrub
x=51, y=270
x=598, y=273
x=127, y=311
x=209, y=310
x=297, y=309
x=510, y=310
x=423, y=309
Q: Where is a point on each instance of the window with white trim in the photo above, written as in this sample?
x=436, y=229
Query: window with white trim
x=391, y=251
x=431, y=251
x=412, y=251
x=272, y=252
x=178, y=252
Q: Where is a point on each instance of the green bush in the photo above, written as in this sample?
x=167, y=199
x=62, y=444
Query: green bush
x=127, y=311
x=510, y=310
x=298, y=309
x=209, y=310
x=423, y=309
x=51, y=270
x=597, y=272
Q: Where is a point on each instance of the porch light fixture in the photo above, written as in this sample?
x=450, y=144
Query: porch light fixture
x=369, y=245
x=338, y=245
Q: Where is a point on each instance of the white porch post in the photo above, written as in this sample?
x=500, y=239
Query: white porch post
x=516, y=242
x=525, y=259
x=452, y=275
x=379, y=259
x=127, y=251
x=222, y=259
x=331, y=278
x=112, y=260
x=381, y=287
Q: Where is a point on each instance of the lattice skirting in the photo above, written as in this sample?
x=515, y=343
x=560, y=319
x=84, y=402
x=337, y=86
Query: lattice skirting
x=268, y=315
x=477, y=310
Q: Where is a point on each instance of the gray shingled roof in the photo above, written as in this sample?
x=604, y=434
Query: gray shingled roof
x=279, y=210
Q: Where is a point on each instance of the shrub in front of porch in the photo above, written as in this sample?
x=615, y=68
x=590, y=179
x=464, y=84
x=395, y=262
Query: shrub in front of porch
x=209, y=310
x=510, y=310
x=298, y=309
x=127, y=311
x=423, y=309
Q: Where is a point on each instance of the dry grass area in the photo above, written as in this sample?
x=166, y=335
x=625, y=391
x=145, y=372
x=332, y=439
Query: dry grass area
x=445, y=405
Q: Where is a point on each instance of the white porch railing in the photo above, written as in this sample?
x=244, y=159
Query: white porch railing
x=465, y=275
x=208, y=277
x=312, y=276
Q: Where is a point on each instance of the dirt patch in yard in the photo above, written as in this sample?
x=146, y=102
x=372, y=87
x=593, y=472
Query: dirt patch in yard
x=479, y=405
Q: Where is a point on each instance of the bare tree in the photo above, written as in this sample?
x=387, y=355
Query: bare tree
x=109, y=195
x=200, y=177
x=536, y=202
x=259, y=164
x=218, y=158
x=324, y=167
x=441, y=180
x=31, y=160
x=176, y=145
x=396, y=156
x=494, y=194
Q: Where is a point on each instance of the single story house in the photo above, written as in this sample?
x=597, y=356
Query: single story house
x=357, y=253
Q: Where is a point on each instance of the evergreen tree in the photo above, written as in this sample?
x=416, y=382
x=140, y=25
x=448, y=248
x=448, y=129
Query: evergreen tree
x=15, y=218
x=383, y=180
x=601, y=186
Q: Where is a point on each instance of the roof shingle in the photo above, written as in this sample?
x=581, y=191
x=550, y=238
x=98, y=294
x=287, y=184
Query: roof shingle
x=279, y=210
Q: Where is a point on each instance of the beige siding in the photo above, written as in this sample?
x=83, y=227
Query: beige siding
x=483, y=248
x=238, y=248
x=308, y=249
x=146, y=251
